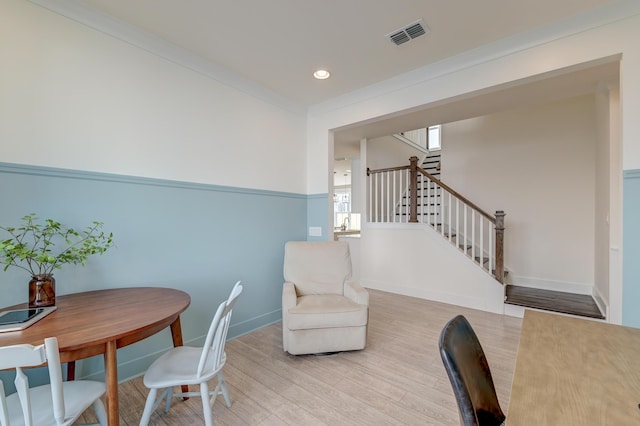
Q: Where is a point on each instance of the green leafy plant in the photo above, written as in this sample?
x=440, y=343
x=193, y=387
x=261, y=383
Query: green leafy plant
x=39, y=248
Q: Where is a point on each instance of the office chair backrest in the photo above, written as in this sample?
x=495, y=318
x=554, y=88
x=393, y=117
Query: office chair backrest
x=213, y=357
x=469, y=373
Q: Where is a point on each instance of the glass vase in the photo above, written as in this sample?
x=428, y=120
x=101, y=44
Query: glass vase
x=42, y=291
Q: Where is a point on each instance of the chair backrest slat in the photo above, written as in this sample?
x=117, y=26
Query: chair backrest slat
x=55, y=378
x=22, y=387
x=212, y=357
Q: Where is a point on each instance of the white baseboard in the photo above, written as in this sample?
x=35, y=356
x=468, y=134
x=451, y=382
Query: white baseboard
x=600, y=301
x=449, y=298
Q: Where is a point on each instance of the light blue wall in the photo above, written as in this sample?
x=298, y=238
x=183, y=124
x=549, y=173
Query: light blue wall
x=195, y=237
x=318, y=215
x=631, y=249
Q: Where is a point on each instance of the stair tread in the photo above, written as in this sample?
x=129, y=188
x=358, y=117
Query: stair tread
x=555, y=301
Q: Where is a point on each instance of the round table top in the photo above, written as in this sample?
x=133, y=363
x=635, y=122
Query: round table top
x=84, y=322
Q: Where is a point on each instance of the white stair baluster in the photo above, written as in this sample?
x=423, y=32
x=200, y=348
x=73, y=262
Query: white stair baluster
x=429, y=203
x=377, y=196
x=440, y=190
x=457, y=222
x=381, y=204
x=395, y=205
x=405, y=216
x=481, y=241
x=466, y=234
x=391, y=202
x=473, y=234
x=371, y=181
x=407, y=185
x=382, y=191
x=491, y=248
x=368, y=218
x=449, y=214
x=421, y=198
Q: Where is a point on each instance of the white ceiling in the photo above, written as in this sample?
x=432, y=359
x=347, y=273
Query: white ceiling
x=279, y=43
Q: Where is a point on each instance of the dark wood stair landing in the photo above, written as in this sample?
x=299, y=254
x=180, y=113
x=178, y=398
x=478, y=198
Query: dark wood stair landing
x=555, y=301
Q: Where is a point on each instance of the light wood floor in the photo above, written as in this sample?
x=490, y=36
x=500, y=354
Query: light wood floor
x=397, y=380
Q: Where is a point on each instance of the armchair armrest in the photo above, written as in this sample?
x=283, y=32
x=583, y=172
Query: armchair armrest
x=356, y=292
x=289, y=296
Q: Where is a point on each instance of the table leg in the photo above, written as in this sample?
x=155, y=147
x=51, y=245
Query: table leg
x=111, y=376
x=71, y=371
x=176, y=335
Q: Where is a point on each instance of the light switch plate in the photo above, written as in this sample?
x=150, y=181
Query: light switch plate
x=315, y=231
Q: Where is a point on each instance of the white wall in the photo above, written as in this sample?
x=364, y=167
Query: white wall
x=74, y=97
x=602, y=198
x=412, y=259
x=388, y=151
x=615, y=209
x=538, y=165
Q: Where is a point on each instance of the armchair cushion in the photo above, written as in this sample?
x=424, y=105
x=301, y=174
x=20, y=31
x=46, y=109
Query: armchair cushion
x=317, y=267
x=326, y=310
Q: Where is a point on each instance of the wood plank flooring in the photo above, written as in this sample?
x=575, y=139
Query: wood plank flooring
x=555, y=301
x=398, y=379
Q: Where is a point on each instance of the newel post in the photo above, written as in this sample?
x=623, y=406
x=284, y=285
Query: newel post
x=413, y=189
x=500, y=245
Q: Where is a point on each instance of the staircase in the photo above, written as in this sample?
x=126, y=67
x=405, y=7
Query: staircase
x=432, y=163
x=549, y=300
x=428, y=190
x=437, y=208
x=475, y=233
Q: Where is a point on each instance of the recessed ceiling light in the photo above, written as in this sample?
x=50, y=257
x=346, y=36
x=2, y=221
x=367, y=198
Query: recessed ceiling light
x=322, y=74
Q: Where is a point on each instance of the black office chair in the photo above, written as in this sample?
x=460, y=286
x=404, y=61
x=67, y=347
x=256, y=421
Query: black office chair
x=469, y=374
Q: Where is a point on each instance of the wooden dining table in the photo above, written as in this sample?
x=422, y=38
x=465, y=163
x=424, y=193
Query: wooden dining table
x=99, y=322
x=572, y=371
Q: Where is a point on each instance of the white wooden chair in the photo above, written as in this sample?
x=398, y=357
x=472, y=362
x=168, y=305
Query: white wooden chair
x=57, y=403
x=185, y=365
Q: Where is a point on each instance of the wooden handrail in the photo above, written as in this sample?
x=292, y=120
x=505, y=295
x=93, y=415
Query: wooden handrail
x=457, y=194
x=389, y=169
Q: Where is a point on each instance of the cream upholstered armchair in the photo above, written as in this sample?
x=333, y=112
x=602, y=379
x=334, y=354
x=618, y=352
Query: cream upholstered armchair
x=322, y=310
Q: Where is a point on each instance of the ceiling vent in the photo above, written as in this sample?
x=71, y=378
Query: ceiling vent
x=408, y=33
